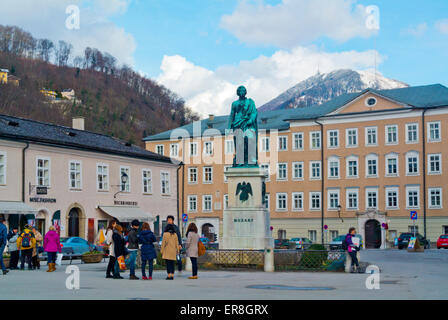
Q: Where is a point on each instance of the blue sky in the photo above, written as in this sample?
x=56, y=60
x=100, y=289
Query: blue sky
x=204, y=49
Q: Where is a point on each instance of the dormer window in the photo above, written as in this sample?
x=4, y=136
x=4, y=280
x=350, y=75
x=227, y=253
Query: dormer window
x=371, y=102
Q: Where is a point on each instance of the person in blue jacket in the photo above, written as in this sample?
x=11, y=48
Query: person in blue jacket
x=147, y=238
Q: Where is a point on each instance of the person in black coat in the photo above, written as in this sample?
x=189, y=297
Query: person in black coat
x=119, y=247
x=147, y=238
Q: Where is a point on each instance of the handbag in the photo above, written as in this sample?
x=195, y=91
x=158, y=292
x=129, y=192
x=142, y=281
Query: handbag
x=201, y=248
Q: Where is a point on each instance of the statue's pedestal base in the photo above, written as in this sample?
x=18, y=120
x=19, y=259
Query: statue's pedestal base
x=246, y=223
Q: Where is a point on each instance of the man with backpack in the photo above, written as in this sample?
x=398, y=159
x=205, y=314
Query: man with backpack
x=3, y=241
x=351, y=245
x=26, y=243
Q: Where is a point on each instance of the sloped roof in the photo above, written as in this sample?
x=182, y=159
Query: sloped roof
x=40, y=132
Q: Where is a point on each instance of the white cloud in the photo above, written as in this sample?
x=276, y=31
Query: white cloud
x=442, y=26
x=46, y=19
x=212, y=91
x=416, y=31
x=295, y=22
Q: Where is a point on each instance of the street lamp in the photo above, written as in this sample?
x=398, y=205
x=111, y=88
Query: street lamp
x=124, y=181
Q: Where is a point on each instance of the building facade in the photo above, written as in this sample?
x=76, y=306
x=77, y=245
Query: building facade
x=364, y=159
x=79, y=180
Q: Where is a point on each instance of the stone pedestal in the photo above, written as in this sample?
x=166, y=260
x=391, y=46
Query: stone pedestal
x=246, y=223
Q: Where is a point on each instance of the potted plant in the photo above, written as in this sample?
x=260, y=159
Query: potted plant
x=6, y=259
x=92, y=257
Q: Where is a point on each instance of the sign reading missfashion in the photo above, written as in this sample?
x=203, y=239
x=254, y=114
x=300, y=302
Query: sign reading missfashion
x=44, y=200
x=126, y=203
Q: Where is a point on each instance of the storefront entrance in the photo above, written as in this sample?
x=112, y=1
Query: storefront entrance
x=208, y=231
x=73, y=223
x=373, y=234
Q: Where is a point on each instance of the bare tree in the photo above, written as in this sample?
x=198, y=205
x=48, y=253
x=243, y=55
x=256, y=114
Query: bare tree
x=45, y=48
x=63, y=53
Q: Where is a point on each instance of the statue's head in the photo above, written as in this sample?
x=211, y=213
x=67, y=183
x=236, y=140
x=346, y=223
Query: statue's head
x=241, y=91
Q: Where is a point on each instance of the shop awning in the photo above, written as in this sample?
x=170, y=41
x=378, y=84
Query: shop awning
x=127, y=214
x=14, y=207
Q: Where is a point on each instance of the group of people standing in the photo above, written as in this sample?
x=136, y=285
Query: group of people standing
x=143, y=240
x=26, y=247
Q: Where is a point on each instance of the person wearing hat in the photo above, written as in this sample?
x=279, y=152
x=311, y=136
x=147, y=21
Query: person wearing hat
x=3, y=241
x=26, y=243
x=133, y=248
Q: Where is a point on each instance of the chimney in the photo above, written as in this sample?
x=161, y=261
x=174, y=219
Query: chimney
x=78, y=123
x=211, y=117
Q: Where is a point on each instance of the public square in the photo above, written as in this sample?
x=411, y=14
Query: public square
x=403, y=275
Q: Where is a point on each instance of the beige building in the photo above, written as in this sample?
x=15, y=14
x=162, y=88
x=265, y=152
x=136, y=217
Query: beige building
x=363, y=159
x=80, y=180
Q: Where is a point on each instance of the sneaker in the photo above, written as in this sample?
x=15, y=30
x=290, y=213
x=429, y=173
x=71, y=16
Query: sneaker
x=149, y=278
x=133, y=277
x=5, y=271
x=109, y=276
x=193, y=277
x=118, y=277
x=144, y=278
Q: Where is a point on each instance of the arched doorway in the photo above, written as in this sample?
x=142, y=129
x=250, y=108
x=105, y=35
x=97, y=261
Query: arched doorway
x=73, y=223
x=373, y=234
x=208, y=231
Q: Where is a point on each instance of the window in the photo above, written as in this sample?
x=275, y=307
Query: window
x=315, y=140
x=75, y=174
x=435, y=163
x=282, y=171
x=392, y=198
x=435, y=198
x=226, y=201
x=412, y=163
x=102, y=174
x=372, y=165
x=125, y=187
x=352, y=199
x=370, y=102
x=2, y=168
x=392, y=134
x=314, y=170
x=193, y=149
x=230, y=147
x=165, y=182
x=297, y=170
x=334, y=234
x=312, y=235
x=412, y=199
x=314, y=200
x=282, y=199
x=192, y=203
x=392, y=165
x=207, y=203
x=267, y=201
x=282, y=143
x=147, y=181
x=226, y=168
x=434, y=131
x=208, y=148
x=411, y=133
x=207, y=175
x=160, y=149
x=174, y=150
x=333, y=168
x=371, y=137
x=267, y=169
x=333, y=138
x=265, y=144
x=352, y=137
x=193, y=175
x=333, y=199
x=43, y=172
x=352, y=167
x=371, y=198
x=298, y=141
x=297, y=201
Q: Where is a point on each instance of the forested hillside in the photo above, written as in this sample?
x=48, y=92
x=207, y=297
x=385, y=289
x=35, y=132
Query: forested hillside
x=115, y=100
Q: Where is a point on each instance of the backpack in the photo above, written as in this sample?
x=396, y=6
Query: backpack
x=201, y=248
x=345, y=244
x=26, y=240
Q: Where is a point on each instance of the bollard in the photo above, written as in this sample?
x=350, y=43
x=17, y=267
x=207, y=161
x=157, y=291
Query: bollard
x=269, y=260
x=188, y=266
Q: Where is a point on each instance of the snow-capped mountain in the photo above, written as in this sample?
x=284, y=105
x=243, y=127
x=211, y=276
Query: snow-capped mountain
x=326, y=86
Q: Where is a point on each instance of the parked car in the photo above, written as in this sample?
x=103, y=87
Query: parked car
x=281, y=244
x=403, y=240
x=442, y=242
x=79, y=245
x=336, y=243
x=302, y=243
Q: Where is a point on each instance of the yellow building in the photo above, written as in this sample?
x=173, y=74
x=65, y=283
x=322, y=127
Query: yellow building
x=4, y=75
x=364, y=159
x=49, y=93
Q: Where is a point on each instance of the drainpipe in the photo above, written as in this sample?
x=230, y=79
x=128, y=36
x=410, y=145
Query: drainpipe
x=23, y=171
x=322, y=165
x=424, y=170
x=177, y=189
